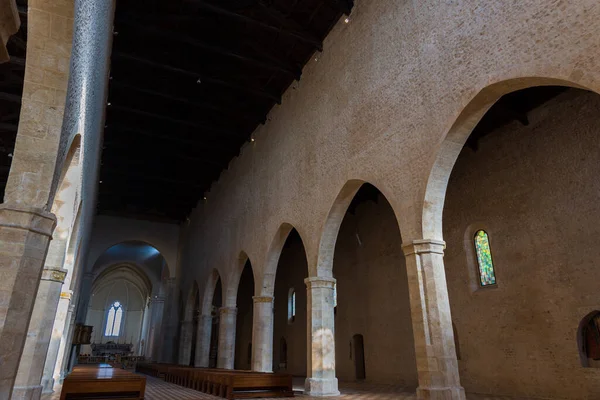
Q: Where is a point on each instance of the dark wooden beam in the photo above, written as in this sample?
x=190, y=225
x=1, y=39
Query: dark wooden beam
x=9, y=127
x=293, y=71
x=296, y=33
x=200, y=126
x=203, y=105
x=13, y=98
x=129, y=173
x=200, y=78
x=170, y=138
x=196, y=159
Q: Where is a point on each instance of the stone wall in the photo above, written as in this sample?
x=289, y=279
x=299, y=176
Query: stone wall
x=534, y=189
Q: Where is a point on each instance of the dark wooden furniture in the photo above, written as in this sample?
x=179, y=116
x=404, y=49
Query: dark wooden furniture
x=102, y=382
x=224, y=383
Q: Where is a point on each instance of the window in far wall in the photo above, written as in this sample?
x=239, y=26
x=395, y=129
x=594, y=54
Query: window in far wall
x=291, y=305
x=487, y=275
x=114, y=319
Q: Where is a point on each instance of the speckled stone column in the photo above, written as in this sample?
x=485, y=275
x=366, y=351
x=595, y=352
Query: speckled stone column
x=66, y=343
x=158, y=306
x=185, y=348
x=62, y=313
x=169, y=334
x=321, y=380
x=25, y=235
x=262, y=334
x=227, y=337
x=203, y=341
x=432, y=323
x=28, y=382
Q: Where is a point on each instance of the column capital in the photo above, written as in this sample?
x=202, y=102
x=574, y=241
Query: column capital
x=54, y=274
x=33, y=219
x=420, y=246
x=228, y=310
x=320, y=282
x=262, y=299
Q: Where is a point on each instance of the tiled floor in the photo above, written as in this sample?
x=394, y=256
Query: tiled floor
x=157, y=389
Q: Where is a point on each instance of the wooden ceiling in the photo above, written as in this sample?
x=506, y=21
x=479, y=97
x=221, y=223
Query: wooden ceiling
x=190, y=81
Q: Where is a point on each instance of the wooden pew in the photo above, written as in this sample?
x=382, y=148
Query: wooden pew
x=102, y=383
x=224, y=383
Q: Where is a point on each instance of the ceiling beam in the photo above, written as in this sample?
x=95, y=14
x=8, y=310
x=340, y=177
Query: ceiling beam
x=181, y=122
x=200, y=78
x=296, y=33
x=170, y=138
x=13, y=98
x=293, y=71
x=128, y=173
x=204, y=105
x=198, y=159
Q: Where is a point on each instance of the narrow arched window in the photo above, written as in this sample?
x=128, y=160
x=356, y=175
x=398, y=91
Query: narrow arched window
x=487, y=275
x=292, y=305
x=114, y=319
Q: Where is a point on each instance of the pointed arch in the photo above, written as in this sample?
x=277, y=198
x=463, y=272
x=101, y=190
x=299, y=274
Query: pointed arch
x=209, y=292
x=233, y=282
x=452, y=144
x=267, y=286
x=331, y=227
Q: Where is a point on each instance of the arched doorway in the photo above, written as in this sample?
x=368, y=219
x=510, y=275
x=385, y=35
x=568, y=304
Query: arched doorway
x=213, y=354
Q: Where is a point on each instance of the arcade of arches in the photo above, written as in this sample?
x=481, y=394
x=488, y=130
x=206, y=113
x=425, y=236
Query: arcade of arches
x=419, y=217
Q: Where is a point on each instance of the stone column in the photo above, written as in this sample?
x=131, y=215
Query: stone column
x=432, y=324
x=62, y=313
x=321, y=380
x=29, y=376
x=262, y=334
x=185, y=347
x=169, y=331
x=158, y=305
x=227, y=328
x=66, y=342
x=25, y=234
x=203, y=341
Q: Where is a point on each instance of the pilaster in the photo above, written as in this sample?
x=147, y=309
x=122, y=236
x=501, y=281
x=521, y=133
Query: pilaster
x=203, y=341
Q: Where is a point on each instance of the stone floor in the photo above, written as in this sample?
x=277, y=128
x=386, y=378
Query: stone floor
x=157, y=389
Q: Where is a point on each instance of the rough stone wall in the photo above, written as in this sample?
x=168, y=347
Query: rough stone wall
x=372, y=291
x=535, y=190
x=291, y=272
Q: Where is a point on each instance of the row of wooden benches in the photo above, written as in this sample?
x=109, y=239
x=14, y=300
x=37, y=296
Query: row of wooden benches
x=102, y=381
x=229, y=384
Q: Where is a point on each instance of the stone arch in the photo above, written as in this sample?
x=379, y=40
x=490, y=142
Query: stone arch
x=331, y=227
x=453, y=142
x=233, y=282
x=272, y=261
x=165, y=273
x=209, y=292
x=72, y=157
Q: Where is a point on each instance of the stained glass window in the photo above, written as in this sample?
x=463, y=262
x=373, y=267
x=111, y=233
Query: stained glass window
x=114, y=319
x=291, y=305
x=487, y=276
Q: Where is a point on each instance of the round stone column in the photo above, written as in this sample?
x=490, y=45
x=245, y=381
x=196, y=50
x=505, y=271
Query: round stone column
x=203, y=341
x=227, y=337
x=321, y=380
x=432, y=323
x=29, y=376
x=262, y=334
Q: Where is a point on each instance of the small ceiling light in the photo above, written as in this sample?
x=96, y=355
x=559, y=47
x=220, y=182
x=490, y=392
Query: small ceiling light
x=100, y=181
x=199, y=81
x=347, y=20
x=108, y=104
x=110, y=78
x=204, y=197
x=10, y=155
x=115, y=33
x=252, y=139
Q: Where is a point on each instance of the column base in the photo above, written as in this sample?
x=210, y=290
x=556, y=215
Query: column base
x=449, y=393
x=27, y=392
x=321, y=387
